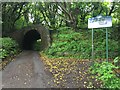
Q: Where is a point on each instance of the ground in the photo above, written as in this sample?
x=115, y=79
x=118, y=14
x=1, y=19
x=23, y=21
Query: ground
x=27, y=71
x=30, y=70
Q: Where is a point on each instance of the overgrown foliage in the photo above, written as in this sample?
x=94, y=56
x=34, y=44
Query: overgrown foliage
x=105, y=72
x=8, y=50
x=55, y=14
x=9, y=47
x=68, y=43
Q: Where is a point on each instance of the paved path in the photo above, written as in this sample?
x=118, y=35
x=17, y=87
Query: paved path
x=27, y=71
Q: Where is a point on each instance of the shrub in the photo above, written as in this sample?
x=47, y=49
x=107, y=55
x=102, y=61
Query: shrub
x=104, y=72
x=68, y=43
x=9, y=47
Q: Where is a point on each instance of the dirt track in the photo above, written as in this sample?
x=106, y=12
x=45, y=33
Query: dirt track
x=27, y=71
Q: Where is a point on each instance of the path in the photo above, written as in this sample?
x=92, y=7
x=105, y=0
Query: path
x=27, y=71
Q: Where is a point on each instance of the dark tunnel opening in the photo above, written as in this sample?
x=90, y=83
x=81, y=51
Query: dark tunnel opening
x=29, y=39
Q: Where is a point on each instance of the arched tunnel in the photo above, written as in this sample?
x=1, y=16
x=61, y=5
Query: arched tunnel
x=32, y=37
x=29, y=39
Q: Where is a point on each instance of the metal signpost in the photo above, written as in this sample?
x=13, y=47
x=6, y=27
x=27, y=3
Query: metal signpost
x=92, y=45
x=106, y=44
x=100, y=22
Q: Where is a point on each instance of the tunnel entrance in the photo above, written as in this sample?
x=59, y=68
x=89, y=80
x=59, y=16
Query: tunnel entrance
x=29, y=39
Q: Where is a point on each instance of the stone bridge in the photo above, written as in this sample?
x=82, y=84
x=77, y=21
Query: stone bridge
x=28, y=35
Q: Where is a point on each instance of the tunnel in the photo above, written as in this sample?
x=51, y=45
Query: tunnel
x=29, y=39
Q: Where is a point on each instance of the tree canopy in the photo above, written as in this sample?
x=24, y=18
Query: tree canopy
x=16, y=15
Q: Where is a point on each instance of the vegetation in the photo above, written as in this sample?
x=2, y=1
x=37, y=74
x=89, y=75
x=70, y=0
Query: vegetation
x=71, y=42
x=117, y=61
x=55, y=14
x=9, y=47
x=105, y=72
x=8, y=50
x=77, y=45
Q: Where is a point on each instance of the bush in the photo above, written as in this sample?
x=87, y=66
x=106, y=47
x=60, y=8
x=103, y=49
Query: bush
x=9, y=47
x=68, y=43
x=104, y=72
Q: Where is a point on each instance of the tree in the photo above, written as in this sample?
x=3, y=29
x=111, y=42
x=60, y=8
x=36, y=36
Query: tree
x=54, y=14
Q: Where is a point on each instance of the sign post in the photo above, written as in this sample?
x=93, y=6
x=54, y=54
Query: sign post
x=92, y=44
x=100, y=22
x=106, y=44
